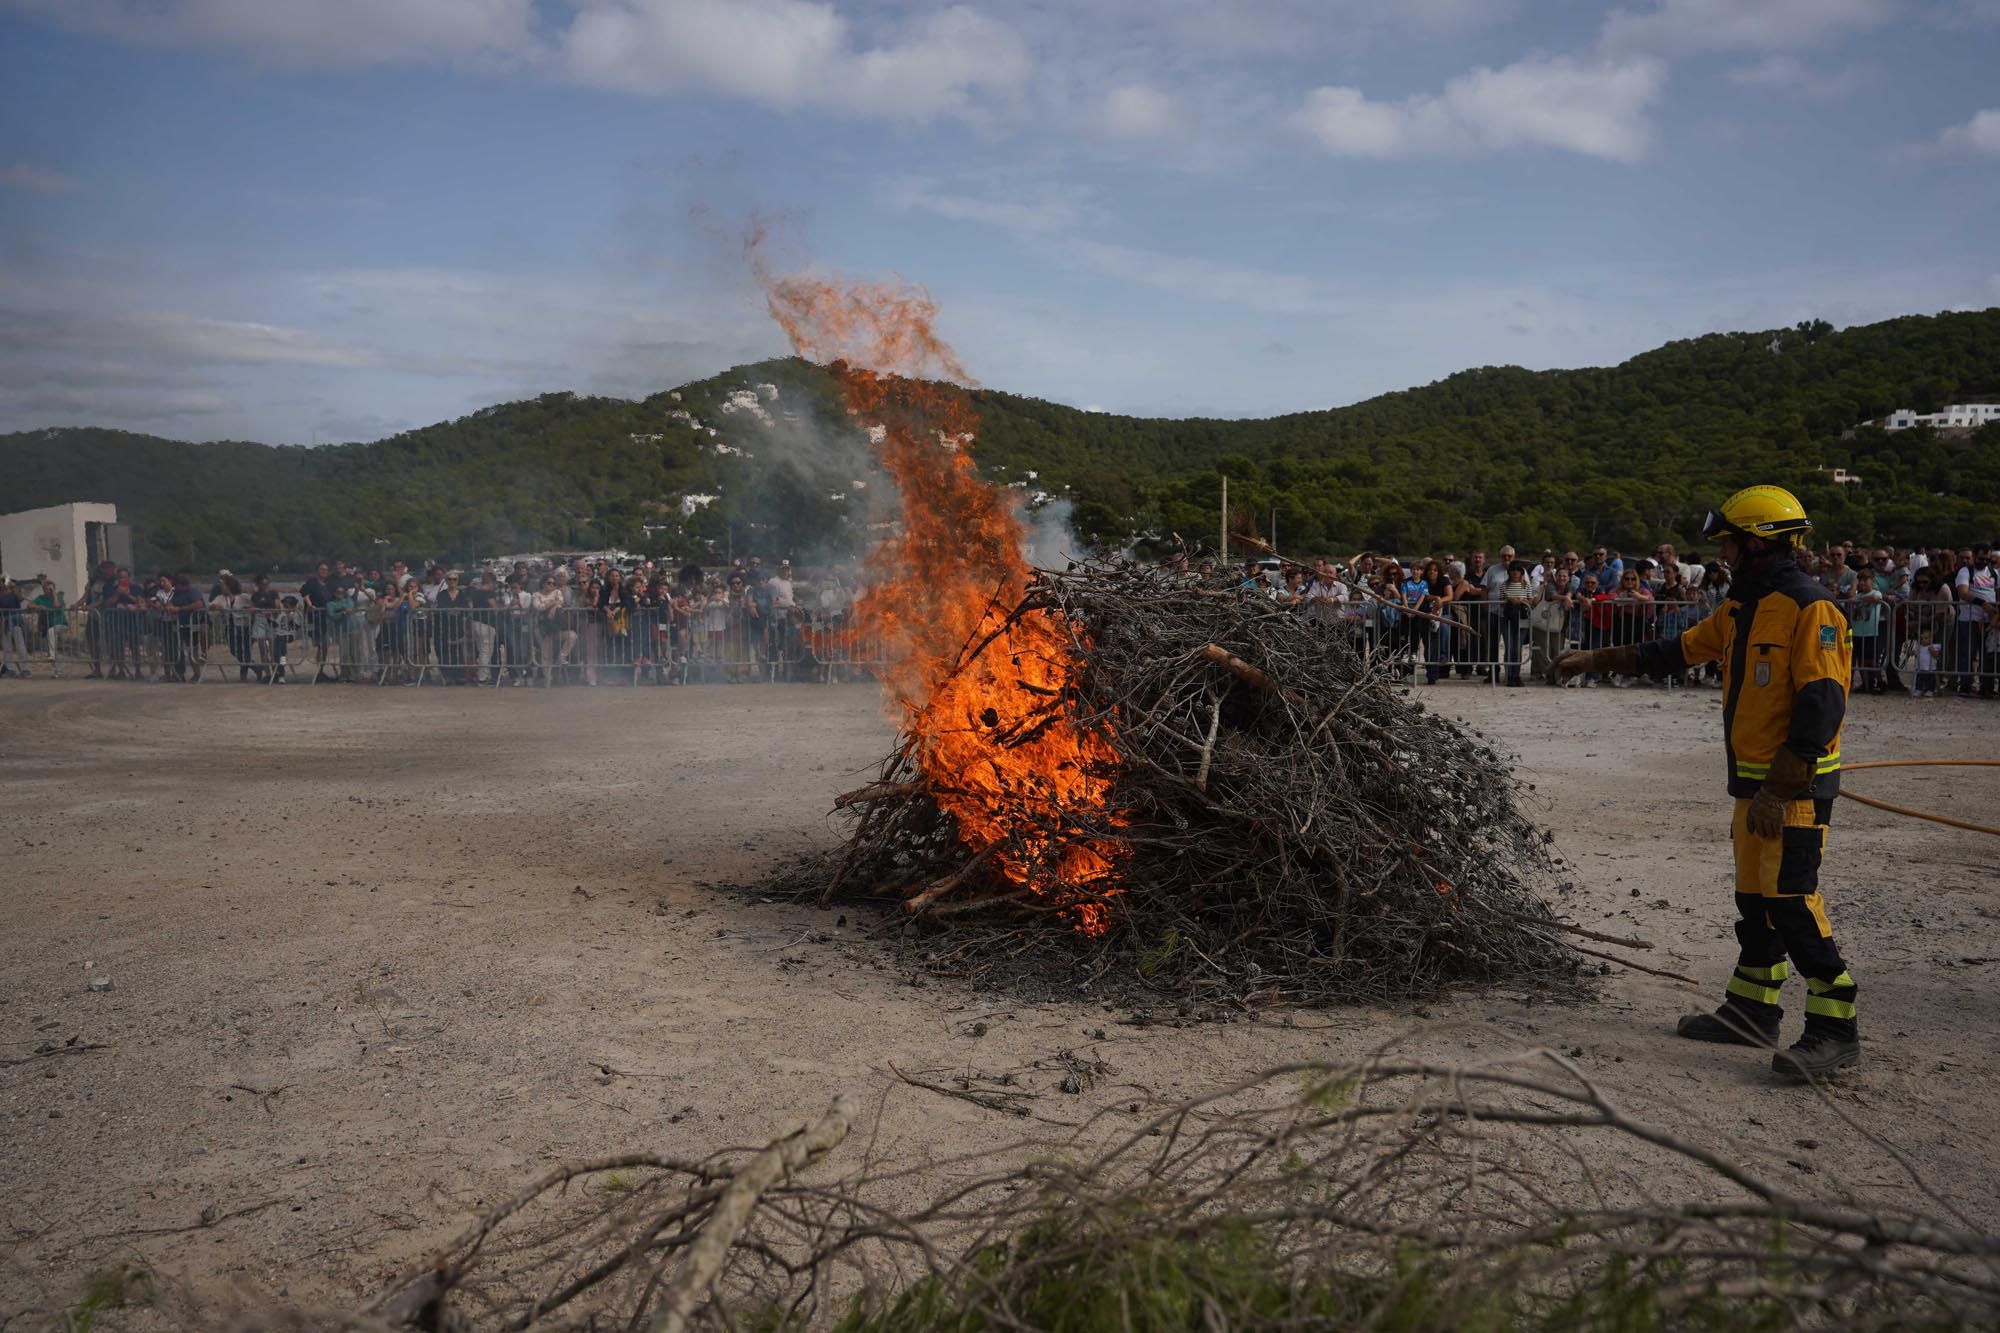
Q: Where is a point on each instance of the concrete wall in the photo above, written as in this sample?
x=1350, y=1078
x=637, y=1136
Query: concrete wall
x=51, y=541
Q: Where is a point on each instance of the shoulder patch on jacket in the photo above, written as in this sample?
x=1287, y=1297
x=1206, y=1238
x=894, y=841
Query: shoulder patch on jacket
x=1829, y=637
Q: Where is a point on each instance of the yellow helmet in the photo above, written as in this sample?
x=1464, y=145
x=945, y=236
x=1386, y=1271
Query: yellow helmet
x=1770, y=512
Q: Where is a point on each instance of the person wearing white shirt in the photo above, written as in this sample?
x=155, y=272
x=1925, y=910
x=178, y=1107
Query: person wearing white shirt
x=833, y=599
x=1976, y=587
x=1494, y=580
x=780, y=584
x=555, y=636
x=1324, y=596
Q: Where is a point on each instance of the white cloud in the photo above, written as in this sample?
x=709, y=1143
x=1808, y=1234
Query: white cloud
x=796, y=54
x=790, y=54
x=322, y=33
x=1682, y=27
x=1034, y=211
x=1285, y=27
x=1981, y=134
x=1788, y=74
x=1138, y=111
x=1594, y=108
x=355, y=355
x=1051, y=219
x=175, y=339
x=34, y=179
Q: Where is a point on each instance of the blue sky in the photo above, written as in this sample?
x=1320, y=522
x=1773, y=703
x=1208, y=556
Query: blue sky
x=299, y=220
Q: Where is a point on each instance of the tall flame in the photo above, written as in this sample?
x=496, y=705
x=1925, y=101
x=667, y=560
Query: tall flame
x=1014, y=772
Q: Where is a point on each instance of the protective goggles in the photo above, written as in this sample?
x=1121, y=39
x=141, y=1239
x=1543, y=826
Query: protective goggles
x=1715, y=525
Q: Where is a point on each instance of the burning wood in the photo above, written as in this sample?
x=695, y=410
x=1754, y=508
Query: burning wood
x=1186, y=779
x=1274, y=813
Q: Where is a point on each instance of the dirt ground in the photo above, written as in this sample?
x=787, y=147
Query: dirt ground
x=377, y=956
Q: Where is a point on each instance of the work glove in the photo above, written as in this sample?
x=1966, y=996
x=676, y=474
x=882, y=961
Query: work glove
x=1573, y=662
x=1789, y=778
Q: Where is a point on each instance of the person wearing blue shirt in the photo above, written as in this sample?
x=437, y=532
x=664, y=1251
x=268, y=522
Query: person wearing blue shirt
x=188, y=649
x=1415, y=590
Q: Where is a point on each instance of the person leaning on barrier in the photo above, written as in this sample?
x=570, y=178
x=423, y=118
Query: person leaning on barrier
x=1864, y=619
x=231, y=606
x=1548, y=620
x=1975, y=584
x=96, y=629
x=124, y=618
x=554, y=636
x=13, y=630
x=188, y=627
x=517, y=628
x=1785, y=654
x=263, y=628
x=452, y=634
x=1673, y=610
x=1925, y=616
x=1892, y=577
x=484, y=599
x=53, y=618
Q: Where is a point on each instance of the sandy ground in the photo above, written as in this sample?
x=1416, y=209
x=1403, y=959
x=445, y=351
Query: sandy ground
x=372, y=953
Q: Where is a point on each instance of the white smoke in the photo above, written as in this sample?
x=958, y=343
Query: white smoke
x=1048, y=540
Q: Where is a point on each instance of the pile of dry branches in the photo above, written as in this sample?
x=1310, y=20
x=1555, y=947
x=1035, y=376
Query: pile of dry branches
x=1287, y=822
x=1513, y=1194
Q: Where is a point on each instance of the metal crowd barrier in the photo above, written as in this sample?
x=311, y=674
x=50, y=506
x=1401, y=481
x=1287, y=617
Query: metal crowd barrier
x=444, y=645
x=1496, y=642
x=1926, y=647
x=1920, y=647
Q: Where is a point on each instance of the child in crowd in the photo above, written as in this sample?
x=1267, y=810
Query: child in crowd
x=287, y=625
x=1864, y=620
x=1919, y=662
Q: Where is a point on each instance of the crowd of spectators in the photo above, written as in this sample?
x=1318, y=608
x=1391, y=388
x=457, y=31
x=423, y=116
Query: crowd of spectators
x=582, y=621
x=1925, y=621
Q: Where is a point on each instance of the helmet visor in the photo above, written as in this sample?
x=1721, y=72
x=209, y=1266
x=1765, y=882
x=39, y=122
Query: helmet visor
x=1715, y=525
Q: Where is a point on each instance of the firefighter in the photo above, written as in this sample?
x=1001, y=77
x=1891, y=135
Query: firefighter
x=1784, y=651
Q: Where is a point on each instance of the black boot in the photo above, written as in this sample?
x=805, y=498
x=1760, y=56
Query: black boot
x=1750, y=1013
x=1817, y=1054
x=1730, y=1026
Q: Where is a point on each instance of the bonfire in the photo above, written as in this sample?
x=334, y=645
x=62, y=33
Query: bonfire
x=1148, y=781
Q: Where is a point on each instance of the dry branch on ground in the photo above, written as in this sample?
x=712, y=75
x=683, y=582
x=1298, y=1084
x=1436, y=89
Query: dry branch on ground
x=1307, y=1195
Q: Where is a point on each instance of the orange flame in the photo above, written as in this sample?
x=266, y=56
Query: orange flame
x=1012, y=770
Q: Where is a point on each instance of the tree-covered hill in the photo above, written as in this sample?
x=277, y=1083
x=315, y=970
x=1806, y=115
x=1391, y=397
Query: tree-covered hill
x=1629, y=454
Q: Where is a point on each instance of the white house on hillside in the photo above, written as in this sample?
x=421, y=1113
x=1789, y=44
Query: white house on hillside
x=1958, y=414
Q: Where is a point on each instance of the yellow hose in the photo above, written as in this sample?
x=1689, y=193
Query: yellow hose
x=1921, y=814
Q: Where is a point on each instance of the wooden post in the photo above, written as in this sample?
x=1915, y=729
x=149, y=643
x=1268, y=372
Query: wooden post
x=1222, y=547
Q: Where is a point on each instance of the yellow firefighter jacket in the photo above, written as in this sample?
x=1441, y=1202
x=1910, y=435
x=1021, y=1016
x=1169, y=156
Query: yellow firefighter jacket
x=1785, y=653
